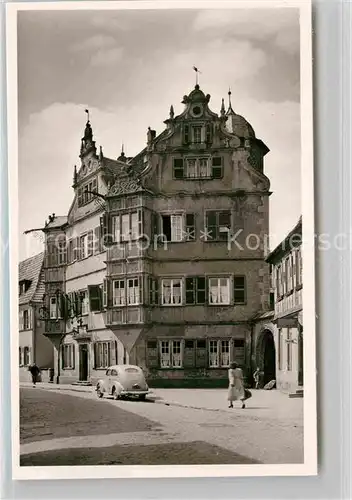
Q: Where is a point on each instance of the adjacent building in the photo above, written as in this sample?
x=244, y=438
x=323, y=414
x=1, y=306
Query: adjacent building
x=34, y=347
x=160, y=260
x=286, y=262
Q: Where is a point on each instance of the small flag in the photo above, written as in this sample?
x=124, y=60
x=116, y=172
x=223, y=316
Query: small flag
x=196, y=69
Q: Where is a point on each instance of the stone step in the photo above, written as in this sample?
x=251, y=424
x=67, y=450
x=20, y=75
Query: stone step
x=84, y=383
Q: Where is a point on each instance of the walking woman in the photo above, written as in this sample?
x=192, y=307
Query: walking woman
x=236, y=388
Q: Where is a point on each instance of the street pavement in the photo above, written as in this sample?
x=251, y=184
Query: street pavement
x=176, y=426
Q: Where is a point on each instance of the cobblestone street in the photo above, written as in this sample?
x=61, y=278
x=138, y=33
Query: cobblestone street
x=67, y=427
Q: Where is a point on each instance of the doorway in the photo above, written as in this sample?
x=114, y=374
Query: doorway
x=83, y=362
x=269, y=358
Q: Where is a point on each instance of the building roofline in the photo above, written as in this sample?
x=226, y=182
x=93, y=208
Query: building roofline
x=282, y=248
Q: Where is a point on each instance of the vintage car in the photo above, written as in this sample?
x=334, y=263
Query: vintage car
x=122, y=381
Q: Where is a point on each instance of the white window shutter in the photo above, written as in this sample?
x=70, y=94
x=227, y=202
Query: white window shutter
x=21, y=320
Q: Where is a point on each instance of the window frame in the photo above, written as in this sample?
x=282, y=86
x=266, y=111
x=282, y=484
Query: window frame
x=239, y=289
x=167, y=347
x=172, y=285
x=211, y=227
x=70, y=357
x=105, y=347
x=139, y=291
x=123, y=295
x=219, y=287
x=83, y=198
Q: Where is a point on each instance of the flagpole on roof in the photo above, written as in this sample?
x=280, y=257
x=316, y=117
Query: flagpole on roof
x=197, y=71
x=87, y=111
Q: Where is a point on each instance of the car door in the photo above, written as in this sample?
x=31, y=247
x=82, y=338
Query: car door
x=107, y=383
x=113, y=377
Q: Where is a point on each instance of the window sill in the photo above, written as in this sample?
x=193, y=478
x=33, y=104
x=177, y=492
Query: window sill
x=68, y=368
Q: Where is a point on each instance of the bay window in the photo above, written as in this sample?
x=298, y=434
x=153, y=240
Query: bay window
x=133, y=291
x=127, y=227
x=172, y=292
x=119, y=294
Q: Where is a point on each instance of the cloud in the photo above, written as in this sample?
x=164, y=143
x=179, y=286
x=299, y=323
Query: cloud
x=107, y=57
x=278, y=25
x=96, y=42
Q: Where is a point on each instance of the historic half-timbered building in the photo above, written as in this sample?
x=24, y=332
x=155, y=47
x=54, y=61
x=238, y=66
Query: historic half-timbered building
x=160, y=261
x=286, y=262
x=34, y=347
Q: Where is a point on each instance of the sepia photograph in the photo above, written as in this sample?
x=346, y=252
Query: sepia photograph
x=162, y=239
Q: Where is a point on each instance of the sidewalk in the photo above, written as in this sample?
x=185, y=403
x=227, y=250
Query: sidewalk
x=271, y=404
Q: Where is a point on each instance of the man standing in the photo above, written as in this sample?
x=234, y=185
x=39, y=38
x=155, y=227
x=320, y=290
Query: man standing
x=33, y=368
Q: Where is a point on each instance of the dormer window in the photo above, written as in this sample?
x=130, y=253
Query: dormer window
x=24, y=286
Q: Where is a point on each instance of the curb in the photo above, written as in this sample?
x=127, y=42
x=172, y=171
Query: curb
x=155, y=401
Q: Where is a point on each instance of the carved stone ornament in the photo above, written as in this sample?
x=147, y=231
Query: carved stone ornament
x=124, y=186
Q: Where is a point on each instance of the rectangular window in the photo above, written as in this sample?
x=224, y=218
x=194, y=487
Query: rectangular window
x=102, y=355
x=84, y=302
x=219, y=291
x=68, y=361
x=84, y=193
x=171, y=354
x=62, y=252
x=26, y=356
x=279, y=281
x=116, y=229
x=239, y=289
x=20, y=360
x=217, y=225
x=197, y=168
x=125, y=227
x=83, y=246
x=95, y=298
x=190, y=227
x=196, y=290
x=213, y=353
x=197, y=135
x=173, y=227
x=26, y=319
x=53, y=309
x=153, y=291
x=224, y=353
x=133, y=291
x=172, y=292
x=119, y=294
x=165, y=358
x=178, y=168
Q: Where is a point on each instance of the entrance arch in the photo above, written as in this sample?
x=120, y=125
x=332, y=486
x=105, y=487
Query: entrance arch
x=266, y=355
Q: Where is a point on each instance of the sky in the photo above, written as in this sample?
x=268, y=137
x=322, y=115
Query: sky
x=127, y=68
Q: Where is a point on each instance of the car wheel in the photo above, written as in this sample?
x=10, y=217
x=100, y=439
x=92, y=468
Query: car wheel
x=115, y=394
x=142, y=397
x=100, y=393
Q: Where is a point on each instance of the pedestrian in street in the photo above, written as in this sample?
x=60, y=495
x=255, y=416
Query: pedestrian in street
x=256, y=377
x=236, y=388
x=35, y=371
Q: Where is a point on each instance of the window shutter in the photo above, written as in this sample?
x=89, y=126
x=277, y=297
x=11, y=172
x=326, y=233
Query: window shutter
x=113, y=353
x=140, y=222
x=21, y=320
x=29, y=355
x=189, y=354
x=155, y=225
x=152, y=354
x=201, y=354
x=95, y=349
x=105, y=293
x=294, y=269
x=178, y=168
x=190, y=227
x=90, y=242
x=96, y=245
x=62, y=356
x=95, y=299
x=20, y=356
x=30, y=319
x=73, y=354
x=217, y=167
x=186, y=133
x=109, y=293
x=209, y=138
x=190, y=290
x=202, y=134
x=69, y=251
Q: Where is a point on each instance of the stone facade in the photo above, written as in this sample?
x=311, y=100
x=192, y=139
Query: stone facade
x=160, y=260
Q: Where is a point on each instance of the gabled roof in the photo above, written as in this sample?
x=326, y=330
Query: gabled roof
x=59, y=221
x=32, y=270
x=293, y=239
